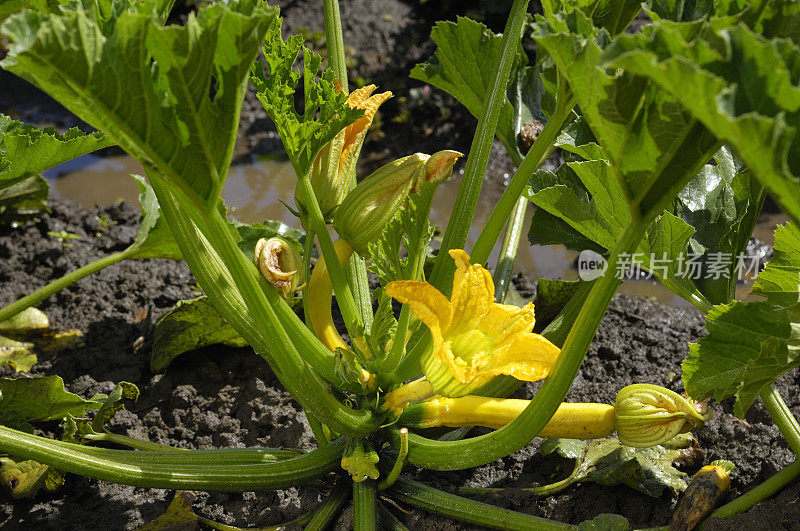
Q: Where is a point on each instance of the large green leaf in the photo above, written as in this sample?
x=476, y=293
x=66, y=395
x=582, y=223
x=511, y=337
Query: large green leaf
x=741, y=86
x=749, y=345
x=613, y=15
x=325, y=110
x=586, y=208
x=24, y=400
x=170, y=96
x=466, y=52
x=654, y=145
x=722, y=203
x=26, y=151
x=190, y=325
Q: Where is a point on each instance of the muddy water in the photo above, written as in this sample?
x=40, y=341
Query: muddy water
x=254, y=192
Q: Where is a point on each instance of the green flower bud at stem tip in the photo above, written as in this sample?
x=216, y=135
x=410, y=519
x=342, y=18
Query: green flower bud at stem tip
x=367, y=209
x=280, y=263
x=647, y=415
x=439, y=167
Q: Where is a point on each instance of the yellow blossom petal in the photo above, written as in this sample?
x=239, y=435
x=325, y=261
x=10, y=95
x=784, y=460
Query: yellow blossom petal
x=507, y=320
x=529, y=357
x=427, y=303
x=475, y=339
x=473, y=293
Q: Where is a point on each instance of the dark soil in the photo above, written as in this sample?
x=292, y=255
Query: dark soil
x=220, y=397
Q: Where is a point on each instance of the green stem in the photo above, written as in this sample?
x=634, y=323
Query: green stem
x=467, y=198
x=182, y=457
x=114, y=466
x=364, y=505
x=538, y=153
x=329, y=508
x=782, y=417
x=356, y=270
x=334, y=41
x=356, y=274
x=130, y=442
x=57, y=285
x=486, y=448
x=416, y=256
x=389, y=480
x=471, y=511
x=257, y=311
x=759, y=493
x=508, y=251
x=344, y=296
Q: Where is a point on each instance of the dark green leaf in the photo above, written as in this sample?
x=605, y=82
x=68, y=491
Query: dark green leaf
x=722, y=203
x=26, y=151
x=779, y=281
x=586, y=209
x=190, y=325
x=749, y=345
x=613, y=15
x=159, y=107
x=325, y=109
x=24, y=400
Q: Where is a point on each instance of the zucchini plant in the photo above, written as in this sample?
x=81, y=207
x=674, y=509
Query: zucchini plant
x=670, y=145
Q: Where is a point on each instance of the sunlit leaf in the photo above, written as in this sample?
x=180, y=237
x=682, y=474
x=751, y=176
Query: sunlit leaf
x=739, y=85
x=175, y=104
x=26, y=151
x=25, y=400
x=325, y=110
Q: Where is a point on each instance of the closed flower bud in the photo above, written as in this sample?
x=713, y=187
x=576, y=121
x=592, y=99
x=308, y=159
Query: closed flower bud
x=333, y=174
x=647, y=415
x=280, y=263
x=439, y=167
x=367, y=209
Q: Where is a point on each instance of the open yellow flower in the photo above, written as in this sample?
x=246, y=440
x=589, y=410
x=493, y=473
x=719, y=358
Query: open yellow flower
x=475, y=339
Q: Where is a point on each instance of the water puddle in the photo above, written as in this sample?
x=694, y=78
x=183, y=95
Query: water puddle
x=254, y=192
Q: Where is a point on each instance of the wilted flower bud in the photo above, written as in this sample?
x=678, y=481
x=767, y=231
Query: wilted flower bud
x=439, y=167
x=280, y=263
x=333, y=174
x=367, y=209
x=647, y=415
